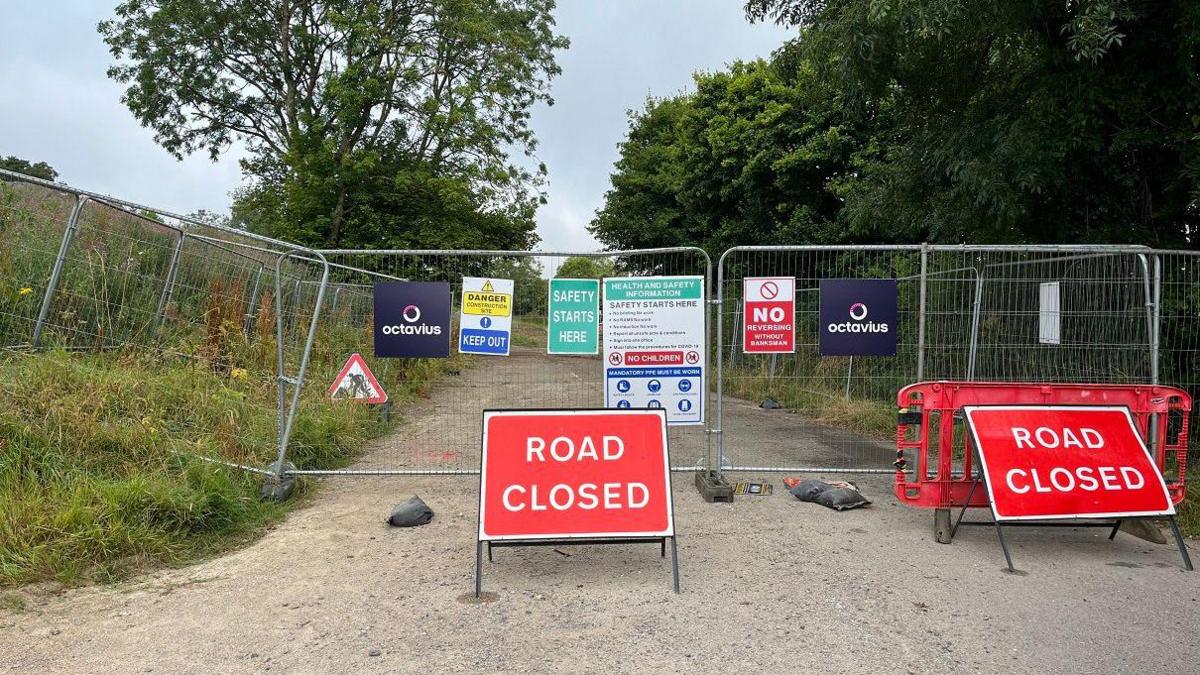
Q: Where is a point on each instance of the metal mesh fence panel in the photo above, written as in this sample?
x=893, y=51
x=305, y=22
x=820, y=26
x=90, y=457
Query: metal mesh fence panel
x=1177, y=335
x=1031, y=314
x=442, y=435
x=83, y=272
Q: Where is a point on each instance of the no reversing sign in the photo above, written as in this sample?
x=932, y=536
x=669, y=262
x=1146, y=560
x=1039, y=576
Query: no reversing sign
x=563, y=474
x=1064, y=462
x=769, y=311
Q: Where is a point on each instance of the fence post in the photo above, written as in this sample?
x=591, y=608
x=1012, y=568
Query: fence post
x=56, y=272
x=1155, y=334
x=169, y=286
x=287, y=419
x=252, y=306
x=718, y=303
x=921, y=315
x=973, y=350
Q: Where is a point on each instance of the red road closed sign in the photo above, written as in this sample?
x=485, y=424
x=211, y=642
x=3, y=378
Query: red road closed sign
x=1061, y=462
x=769, y=315
x=562, y=474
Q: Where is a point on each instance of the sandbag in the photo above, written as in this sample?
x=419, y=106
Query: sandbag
x=410, y=513
x=278, y=489
x=838, y=495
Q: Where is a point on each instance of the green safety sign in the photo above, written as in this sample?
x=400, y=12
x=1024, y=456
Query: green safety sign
x=574, y=317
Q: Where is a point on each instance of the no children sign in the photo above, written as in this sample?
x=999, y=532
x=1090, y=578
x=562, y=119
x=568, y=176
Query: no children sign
x=1063, y=462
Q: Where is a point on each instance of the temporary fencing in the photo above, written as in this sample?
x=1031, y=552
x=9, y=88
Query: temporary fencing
x=81, y=271
x=442, y=435
x=984, y=313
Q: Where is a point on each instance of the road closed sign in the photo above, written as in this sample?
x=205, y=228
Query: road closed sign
x=1062, y=462
x=564, y=474
x=769, y=311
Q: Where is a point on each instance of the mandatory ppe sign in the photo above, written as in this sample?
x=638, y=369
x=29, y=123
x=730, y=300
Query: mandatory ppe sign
x=559, y=474
x=1061, y=462
x=485, y=319
x=769, y=315
x=412, y=319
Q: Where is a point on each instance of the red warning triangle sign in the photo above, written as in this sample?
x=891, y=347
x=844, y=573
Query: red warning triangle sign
x=357, y=383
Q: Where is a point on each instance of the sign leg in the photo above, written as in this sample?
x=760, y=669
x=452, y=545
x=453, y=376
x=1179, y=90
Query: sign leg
x=1003, y=545
x=478, y=568
x=675, y=561
x=1113, y=534
x=1183, y=552
x=663, y=551
x=490, y=552
x=966, y=503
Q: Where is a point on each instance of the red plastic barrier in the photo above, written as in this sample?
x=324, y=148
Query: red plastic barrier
x=944, y=480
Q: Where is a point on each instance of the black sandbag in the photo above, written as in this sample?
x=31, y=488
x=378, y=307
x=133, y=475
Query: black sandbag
x=839, y=496
x=809, y=490
x=410, y=513
x=840, y=499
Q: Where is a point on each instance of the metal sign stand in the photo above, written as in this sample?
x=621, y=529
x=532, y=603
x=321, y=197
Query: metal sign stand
x=509, y=543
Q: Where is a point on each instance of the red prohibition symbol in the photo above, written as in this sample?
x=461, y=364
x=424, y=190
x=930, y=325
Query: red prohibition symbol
x=615, y=358
x=693, y=357
x=769, y=290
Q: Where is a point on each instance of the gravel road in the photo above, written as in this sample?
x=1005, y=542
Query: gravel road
x=768, y=583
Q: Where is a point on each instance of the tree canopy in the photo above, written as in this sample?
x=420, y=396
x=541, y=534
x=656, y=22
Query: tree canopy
x=367, y=123
x=37, y=170
x=929, y=120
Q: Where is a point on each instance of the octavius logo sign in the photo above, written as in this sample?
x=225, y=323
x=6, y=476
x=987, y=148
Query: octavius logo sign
x=858, y=312
x=412, y=319
x=411, y=315
x=858, y=317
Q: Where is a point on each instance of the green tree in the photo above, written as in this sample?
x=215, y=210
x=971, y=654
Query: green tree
x=1031, y=121
x=529, y=286
x=367, y=123
x=39, y=170
x=753, y=156
x=582, y=267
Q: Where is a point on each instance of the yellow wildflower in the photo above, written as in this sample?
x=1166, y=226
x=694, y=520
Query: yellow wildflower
x=26, y=290
x=239, y=374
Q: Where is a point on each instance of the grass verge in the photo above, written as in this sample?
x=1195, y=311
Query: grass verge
x=98, y=470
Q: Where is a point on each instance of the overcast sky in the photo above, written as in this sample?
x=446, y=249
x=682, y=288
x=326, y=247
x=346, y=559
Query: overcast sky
x=59, y=107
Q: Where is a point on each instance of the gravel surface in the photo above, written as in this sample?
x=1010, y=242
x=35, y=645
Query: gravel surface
x=768, y=583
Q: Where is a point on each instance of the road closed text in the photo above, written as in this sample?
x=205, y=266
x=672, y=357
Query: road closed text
x=1066, y=462
x=1087, y=478
x=612, y=496
x=562, y=474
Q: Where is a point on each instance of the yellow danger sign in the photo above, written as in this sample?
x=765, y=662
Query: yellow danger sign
x=487, y=302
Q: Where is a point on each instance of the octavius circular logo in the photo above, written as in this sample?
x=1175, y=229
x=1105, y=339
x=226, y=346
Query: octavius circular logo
x=412, y=325
x=858, y=311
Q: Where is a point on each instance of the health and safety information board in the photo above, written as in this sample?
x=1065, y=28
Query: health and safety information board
x=654, y=345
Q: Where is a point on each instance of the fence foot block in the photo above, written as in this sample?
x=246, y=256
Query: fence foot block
x=713, y=487
x=943, y=531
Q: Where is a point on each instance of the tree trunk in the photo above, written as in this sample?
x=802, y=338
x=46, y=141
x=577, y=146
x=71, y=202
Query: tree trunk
x=339, y=210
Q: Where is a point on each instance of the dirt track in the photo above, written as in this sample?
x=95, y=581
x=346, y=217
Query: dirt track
x=768, y=583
